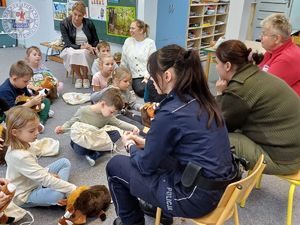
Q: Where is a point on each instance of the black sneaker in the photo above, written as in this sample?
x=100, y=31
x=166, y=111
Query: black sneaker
x=150, y=210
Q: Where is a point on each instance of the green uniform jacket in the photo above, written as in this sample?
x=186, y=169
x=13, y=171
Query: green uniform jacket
x=266, y=110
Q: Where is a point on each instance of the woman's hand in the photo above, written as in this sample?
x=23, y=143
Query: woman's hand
x=221, y=85
x=4, y=199
x=136, y=131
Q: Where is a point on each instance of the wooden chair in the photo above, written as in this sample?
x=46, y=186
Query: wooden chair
x=294, y=180
x=73, y=76
x=234, y=193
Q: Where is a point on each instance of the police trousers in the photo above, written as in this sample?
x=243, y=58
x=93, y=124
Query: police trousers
x=162, y=190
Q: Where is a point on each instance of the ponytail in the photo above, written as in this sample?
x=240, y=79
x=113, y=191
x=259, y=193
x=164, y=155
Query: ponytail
x=190, y=77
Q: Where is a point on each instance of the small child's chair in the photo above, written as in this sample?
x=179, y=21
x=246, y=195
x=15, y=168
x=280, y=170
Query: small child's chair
x=235, y=193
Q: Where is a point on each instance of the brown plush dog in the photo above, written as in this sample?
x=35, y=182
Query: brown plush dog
x=85, y=202
x=10, y=190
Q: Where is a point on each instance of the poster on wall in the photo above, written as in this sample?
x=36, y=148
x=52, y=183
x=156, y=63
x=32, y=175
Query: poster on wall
x=118, y=20
x=59, y=10
x=97, y=9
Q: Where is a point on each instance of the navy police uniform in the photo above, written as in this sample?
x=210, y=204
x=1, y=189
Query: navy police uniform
x=179, y=134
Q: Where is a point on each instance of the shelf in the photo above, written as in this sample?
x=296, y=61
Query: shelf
x=209, y=3
x=208, y=26
x=193, y=39
x=220, y=24
x=194, y=28
x=212, y=20
x=191, y=17
x=217, y=34
x=207, y=36
x=204, y=46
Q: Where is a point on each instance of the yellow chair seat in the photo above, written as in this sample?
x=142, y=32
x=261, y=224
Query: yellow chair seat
x=294, y=180
x=235, y=193
x=295, y=176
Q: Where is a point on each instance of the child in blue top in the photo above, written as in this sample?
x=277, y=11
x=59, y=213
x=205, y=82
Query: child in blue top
x=19, y=76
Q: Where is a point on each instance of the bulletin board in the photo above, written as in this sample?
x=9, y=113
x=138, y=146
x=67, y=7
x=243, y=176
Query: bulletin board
x=61, y=6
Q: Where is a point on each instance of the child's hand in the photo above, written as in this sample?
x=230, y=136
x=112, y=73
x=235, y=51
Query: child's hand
x=59, y=130
x=3, y=182
x=145, y=80
x=55, y=175
x=36, y=100
x=136, y=131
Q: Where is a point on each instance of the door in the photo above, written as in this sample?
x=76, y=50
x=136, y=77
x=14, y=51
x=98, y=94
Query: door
x=266, y=7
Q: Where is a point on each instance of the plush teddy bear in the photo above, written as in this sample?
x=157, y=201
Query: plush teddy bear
x=21, y=99
x=10, y=190
x=85, y=201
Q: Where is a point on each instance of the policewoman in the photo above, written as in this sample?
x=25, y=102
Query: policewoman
x=185, y=163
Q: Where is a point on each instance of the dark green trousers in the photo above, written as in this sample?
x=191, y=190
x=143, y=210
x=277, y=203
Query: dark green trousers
x=251, y=151
x=44, y=113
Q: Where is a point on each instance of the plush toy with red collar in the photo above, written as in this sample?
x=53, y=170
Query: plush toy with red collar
x=85, y=201
x=10, y=190
x=148, y=112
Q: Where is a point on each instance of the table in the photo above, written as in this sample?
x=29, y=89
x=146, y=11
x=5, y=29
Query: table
x=254, y=45
x=50, y=48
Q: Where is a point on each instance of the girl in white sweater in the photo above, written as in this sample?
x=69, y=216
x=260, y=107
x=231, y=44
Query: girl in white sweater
x=36, y=185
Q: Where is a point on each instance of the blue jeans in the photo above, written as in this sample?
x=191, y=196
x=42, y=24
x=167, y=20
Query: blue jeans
x=43, y=196
x=114, y=136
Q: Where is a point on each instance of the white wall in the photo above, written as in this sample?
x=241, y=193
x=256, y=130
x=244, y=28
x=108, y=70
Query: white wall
x=150, y=16
x=238, y=18
x=46, y=30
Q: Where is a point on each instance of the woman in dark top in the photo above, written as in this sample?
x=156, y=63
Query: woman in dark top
x=187, y=132
x=262, y=113
x=80, y=39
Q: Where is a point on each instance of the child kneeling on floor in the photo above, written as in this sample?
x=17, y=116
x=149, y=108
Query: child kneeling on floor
x=37, y=185
x=99, y=115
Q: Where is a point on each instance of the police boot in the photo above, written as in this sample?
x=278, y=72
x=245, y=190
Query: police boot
x=150, y=210
x=118, y=221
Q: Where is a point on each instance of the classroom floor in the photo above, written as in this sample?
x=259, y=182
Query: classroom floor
x=264, y=207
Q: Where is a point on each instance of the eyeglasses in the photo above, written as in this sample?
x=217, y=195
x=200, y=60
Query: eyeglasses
x=265, y=33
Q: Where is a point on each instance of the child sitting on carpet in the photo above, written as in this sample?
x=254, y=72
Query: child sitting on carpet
x=16, y=85
x=106, y=66
x=99, y=115
x=103, y=48
x=37, y=186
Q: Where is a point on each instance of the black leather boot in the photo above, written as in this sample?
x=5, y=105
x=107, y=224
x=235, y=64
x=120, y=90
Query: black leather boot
x=150, y=210
x=118, y=221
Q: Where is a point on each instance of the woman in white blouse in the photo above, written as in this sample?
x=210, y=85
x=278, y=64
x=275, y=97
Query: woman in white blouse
x=80, y=39
x=135, y=53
